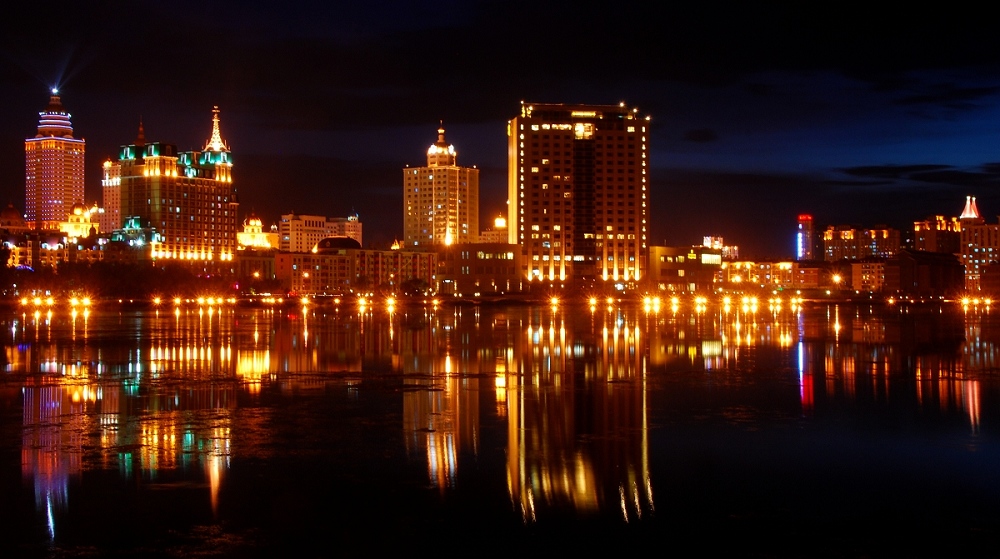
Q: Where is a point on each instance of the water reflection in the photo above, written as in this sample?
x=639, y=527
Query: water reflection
x=147, y=393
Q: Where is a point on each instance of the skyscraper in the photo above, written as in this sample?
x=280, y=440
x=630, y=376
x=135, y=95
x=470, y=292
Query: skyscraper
x=188, y=198
x=804, y=238
x=53, y=168
x=441, y=200
x=578, y=192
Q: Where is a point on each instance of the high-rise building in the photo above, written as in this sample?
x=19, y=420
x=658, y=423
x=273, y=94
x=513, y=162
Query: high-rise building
x=578, y=192
x=53, y=168
x=980, y=244
x=804, y=238
x=441, y=200
x=187, y=198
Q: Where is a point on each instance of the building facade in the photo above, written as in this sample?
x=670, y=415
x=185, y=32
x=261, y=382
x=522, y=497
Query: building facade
x=53, y=168
x=253, y=235
x=937, y=234
x=441, y=200
x=851, y=243
x=680, y=269
x=479, y=269
x=301, y=233
x=805, y=239
x=340, y=266
x=188, y=198
x=980, y=244
x=578, y=193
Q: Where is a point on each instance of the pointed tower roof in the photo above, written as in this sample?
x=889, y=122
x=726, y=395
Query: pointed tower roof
x=970, y=211
x=215, y=143
x=140, y=139
x=54, y=120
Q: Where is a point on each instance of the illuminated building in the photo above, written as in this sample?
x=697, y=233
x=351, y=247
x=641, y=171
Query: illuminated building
x=188, y=198
x=441, y=200
x=728, y=252
x=338, y=265
x=980, y=244
x=868, y=275
x=804, y=238
x=938, y=234
x=850, y=243
x=300, y=233
x=767, y=274
x=53, y=168
x=253, y=235
x=577, y=191
x=479, y=269
x=82, y=222
x=255, y=252
x=684, y=268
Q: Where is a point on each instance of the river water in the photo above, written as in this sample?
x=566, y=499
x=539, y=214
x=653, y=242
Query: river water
x=231, y=431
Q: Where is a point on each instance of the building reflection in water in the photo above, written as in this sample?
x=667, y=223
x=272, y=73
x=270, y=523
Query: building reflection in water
x=576, y=415
x=149, y=392
x=153, y=393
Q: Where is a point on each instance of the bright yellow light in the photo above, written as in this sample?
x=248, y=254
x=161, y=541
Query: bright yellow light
x=593, y=301
x=554, y=301
x=305, y=301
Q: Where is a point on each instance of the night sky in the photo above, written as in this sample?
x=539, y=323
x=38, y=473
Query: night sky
x=759, y=112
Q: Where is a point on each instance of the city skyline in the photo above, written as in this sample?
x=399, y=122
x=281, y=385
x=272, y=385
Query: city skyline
x=758, y=113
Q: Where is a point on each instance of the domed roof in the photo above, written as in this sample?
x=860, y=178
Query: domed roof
x=335, y=243
x=10, y=216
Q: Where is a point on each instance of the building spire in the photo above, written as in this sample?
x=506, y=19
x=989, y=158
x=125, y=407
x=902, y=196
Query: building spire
x=215, y=143
x=140, y=139
x=970, y=211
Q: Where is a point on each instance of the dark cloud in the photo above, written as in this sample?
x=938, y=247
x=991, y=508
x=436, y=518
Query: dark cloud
x=950, y=95
x=910, y=176
x=892, y=171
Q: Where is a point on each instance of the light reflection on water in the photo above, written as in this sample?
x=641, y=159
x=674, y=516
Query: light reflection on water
x=576, y=390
